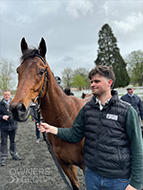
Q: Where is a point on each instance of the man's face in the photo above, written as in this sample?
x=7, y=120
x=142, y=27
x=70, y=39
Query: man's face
x=7, y=95
x=130, y=91
x=100, y=85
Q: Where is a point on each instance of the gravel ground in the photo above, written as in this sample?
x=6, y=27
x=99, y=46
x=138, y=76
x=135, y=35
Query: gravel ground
x=37, y=169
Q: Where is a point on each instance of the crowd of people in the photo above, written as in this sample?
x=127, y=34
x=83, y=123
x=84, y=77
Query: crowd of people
x=113, y=148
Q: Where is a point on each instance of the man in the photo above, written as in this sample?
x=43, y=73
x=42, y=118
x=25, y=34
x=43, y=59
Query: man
x=8, y=127
x=34, y=115
x=134, y=100
x=68, y=92
x=58, y=80
x=113, y=149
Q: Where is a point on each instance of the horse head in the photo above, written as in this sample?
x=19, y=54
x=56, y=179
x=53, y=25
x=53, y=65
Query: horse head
x=32, y=79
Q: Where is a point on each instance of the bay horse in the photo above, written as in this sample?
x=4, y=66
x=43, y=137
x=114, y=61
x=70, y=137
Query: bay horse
x=35, y=79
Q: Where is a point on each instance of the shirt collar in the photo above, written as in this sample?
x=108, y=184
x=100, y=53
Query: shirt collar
x=6, y=102
x=131, y=95
x=99, y=103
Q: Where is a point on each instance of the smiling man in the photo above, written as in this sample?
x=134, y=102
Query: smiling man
x=8, y=128
x=134, y=100
x=113, y=149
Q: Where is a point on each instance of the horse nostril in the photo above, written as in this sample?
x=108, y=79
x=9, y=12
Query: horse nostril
x=21, y=108
x=19, y=112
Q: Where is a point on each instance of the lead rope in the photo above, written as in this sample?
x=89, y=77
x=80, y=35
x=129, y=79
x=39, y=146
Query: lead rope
x=52, y=152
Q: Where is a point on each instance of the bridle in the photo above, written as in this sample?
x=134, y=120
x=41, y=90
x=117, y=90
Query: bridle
x=44, y=83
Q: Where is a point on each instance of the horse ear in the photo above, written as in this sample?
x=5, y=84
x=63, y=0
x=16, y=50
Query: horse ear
x=24, y=45
x=42, y=47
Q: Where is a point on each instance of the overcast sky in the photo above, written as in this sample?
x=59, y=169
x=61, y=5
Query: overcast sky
x=70, y=29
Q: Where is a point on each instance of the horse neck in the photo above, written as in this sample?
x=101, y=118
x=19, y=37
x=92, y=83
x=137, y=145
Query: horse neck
x=54, y=101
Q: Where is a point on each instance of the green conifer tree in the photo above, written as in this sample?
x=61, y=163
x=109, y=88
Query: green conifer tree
x=109, y=54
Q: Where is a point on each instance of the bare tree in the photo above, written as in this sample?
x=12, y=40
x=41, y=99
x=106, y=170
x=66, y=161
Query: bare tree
x=6, y=75
x=67, y=76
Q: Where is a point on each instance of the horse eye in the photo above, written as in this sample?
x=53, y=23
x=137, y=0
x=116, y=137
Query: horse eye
x=41, y=72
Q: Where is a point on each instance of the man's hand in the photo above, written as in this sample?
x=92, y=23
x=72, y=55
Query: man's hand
x=44, y=127
x=129, y=187
x=5, y=117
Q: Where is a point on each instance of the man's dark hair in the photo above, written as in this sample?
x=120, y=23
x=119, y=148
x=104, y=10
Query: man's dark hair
x=104, y=71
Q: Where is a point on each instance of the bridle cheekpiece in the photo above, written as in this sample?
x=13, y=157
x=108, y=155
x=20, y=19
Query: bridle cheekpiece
x=46, y=76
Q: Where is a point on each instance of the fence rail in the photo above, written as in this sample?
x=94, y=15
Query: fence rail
x=121, y=91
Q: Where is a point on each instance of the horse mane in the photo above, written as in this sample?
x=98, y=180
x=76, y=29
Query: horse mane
x=29, y=53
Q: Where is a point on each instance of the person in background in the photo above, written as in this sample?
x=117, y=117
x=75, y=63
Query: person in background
x=34, y=115
x=58, y=80
x=8, y=127
x=134, y=100
x=68, y=92
x=113, y=148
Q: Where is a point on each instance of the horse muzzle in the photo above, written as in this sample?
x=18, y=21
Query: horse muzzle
x=19, y=112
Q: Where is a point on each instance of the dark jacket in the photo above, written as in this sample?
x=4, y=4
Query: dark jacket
x=128, y=138
x=34, y=113
x=68, y=92
x=109, y=153
x=10, y=124
x=135, y=101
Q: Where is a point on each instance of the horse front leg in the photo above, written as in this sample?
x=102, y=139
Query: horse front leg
x=71, y=172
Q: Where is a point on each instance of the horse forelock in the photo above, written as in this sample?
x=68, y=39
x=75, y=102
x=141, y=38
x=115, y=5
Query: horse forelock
x=29, y=53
